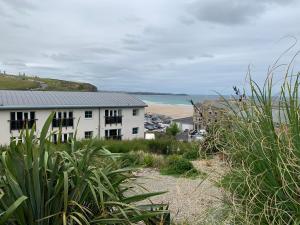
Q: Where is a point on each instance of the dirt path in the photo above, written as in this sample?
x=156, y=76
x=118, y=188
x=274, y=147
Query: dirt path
x=42, y=85
x=190, y=199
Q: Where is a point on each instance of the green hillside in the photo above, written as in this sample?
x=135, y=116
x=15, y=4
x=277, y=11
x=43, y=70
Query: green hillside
x=21, y=82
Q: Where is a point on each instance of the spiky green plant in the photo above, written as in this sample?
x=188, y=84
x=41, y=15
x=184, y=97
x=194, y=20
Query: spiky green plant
x=264, y=148
x=40, y=185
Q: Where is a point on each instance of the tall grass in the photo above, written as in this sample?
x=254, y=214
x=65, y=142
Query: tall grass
x=163, y=145
x=263, y=146
x=40, y=185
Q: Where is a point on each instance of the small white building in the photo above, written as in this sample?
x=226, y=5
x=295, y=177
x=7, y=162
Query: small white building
x=185, y=123
x=89, y=114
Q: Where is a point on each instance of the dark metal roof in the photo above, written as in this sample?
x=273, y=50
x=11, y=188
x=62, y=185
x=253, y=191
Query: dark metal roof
x=186, y=120
x=61, y=99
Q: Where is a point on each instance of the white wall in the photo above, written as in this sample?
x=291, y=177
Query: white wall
x=84, y=124
x=185, y=126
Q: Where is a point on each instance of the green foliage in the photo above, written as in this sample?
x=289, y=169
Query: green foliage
x=161, y=146
x=12, y=82
x=16, y=83
x=173, y=129
x=141, y=158
x=263, y=145
x=40, y=186
x=176, y=165
x=192, y=154
x=215, y=140
x=164, y=145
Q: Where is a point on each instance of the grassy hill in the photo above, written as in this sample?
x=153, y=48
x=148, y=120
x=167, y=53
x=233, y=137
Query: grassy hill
x=13, y=82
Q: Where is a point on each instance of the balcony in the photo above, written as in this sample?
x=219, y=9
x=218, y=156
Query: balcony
x=113, y=119
x=114, y=137
x=21, y=124
x=63, y=122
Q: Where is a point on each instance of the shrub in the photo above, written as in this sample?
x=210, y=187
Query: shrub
x=192, y=154
x=161, y=146
x=41, y=186
x=130, y=159
x=141, y=158
x=263, y=146
x=176, y=165
x=173, y=129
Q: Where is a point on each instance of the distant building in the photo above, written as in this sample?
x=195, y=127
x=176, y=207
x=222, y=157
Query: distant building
x=98, y=114
x=207, y=113
x=185, y=123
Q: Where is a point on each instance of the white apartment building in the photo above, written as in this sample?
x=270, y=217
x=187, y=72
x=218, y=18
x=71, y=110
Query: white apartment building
x=90, y=114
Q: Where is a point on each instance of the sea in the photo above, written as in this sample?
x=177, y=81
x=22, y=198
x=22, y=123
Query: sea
x=175, y=99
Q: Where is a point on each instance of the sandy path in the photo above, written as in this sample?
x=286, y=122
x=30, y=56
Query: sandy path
x=190, y=199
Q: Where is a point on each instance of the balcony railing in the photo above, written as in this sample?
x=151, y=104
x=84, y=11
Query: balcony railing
x=63, y=122
x=21, y=124
x=113, y=119
x=114, y=137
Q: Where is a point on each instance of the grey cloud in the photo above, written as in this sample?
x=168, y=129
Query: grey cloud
x=137, y=48
x=62, y=57
x=230, y=12
x=149, y=46
x=17, y=63
x=101, y=50
x=204, y=55
x=19, y=25
x=187, y=20
x=223, y=12
x=21, y=6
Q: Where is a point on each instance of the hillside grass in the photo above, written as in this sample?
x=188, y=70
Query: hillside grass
x=16, y=83
x=21, y=82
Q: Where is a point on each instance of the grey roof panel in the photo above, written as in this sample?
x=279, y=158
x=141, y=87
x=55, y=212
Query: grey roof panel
x=186, y=120
x=60, y=99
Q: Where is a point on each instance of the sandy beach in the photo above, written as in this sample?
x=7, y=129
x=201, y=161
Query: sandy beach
x=174, y=111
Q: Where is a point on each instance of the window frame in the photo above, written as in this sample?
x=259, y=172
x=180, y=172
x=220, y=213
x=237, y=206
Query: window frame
x=88, y=134
x=88, y=114
x=135, y=129
x=135, y=112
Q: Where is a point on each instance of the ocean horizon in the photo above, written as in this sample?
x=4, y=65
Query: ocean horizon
x=175, y=99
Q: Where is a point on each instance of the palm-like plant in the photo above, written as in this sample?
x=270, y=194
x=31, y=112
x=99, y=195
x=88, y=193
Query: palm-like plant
x=40, y=185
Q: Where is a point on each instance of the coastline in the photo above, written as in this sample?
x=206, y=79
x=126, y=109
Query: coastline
x=175, y=111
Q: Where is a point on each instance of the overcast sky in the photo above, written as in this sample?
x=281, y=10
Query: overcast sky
x=179, y=46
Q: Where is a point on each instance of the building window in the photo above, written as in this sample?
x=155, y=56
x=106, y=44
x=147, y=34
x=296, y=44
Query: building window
x=63, y=119
x=21, y=120
x=88, y=114
x=114, y=134
x=113, y=116
x=135, y=130
x=88, y=134
x=135, y=112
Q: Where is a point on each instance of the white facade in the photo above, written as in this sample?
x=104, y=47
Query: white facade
x=123, y=123
x=184, y=126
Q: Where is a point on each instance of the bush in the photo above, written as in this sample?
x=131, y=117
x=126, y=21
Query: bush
x=173, y=129
x=161, y=146
x=141, y=158
x=192, y=154
x=176, y=165
x=42, y=186
x=263, y=146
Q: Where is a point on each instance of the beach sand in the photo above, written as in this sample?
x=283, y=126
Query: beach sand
x=173, y=111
